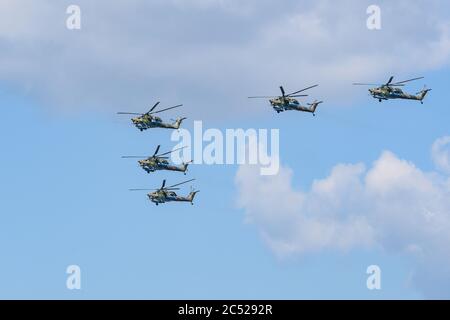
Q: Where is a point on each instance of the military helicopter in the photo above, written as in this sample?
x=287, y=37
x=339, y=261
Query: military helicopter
x=287, y=102
x=167, y=194
x=159, y=162
x=148, y=120
x=390, y=90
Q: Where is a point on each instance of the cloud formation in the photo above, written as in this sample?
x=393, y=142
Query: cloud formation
x=392, y=204
x=211, y=52
x=441, y=154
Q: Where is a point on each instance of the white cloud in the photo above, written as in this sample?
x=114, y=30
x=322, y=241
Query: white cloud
x=441, y=153
x=393, y=205
x=297, y=222
x=199, y=51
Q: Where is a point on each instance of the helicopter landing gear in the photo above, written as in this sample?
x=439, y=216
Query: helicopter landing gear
x=379, y=100
x=421, y=102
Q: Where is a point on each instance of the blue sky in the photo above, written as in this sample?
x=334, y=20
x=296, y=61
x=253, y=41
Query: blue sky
x=65, y=188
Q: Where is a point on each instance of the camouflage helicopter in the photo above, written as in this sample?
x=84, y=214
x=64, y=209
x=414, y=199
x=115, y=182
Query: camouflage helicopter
x=167, y=194
x=390, y=90
x=148, y=120
x=159, y=162
x=287, y=102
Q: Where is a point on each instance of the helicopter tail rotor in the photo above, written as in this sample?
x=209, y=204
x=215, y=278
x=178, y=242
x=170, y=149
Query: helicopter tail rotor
x=425, y=89
x=185, y=166
x=315, y=103
x=313, y=106
x=191, y=195
x=421, y=94
x=178, y=121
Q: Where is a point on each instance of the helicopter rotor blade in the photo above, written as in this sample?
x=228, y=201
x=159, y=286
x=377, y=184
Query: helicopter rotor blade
x=298, y=95
x=282, y=91
x=169, y=152
x=262, y=97
x=132, y=113
x=133, y=157
x=153, y=108
x=401, y=82
x=156, y=151
x=163, y=184
x=316, y=85
x=177, y=106
x=389, y=81
x=178, y=184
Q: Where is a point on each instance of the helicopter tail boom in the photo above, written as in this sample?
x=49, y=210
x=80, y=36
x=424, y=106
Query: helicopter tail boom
x=177, y=123
x=421, y=94
x=313, y=106
x=185, y=166
x=191, y=196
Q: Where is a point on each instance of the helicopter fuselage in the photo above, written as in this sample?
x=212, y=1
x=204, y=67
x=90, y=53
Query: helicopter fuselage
x=386, y=93
x=287, y=102
x=154, y=164
x=391, y=90
x=169, y=196
x=390, y=93
x=281, y=104
x=148, y=121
